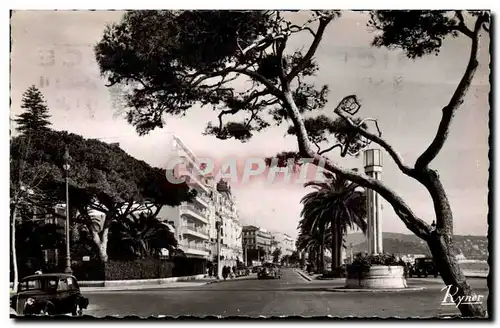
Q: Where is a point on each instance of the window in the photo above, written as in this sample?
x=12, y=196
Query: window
x=63, y=285
x=52, y=283
x=30, y=285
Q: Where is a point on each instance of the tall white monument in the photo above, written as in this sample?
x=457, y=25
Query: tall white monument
x=373, y=168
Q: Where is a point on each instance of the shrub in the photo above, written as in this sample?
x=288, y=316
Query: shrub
x=138, y=269
x=362, y=263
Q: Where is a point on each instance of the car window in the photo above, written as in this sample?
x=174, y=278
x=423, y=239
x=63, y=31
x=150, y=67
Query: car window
x=51, y=283
x=30, y=285
x=63, y=285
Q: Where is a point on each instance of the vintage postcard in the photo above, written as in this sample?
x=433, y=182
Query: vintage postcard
x=250, y=163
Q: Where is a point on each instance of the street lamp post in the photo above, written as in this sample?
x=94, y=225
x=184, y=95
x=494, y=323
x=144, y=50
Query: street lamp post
x=66, y=167
x=218, y=225
x=245, y=259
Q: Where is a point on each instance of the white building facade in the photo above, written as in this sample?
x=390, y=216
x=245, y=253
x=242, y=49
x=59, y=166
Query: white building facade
x=196, y=222
x=226, y=214
x=283, y=242
x=191, y=220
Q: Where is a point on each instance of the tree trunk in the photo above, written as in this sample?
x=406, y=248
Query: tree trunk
x=335, y=243
x=452, y=276
x=102, y=243
x=318, y=260
x=340, y=241
x=440, y=244
x=14, y=253
x=322, y=267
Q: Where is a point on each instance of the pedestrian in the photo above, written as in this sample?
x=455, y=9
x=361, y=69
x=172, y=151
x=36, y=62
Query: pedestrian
x=224, y=272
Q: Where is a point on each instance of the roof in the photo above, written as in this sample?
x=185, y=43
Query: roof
x=49, y=275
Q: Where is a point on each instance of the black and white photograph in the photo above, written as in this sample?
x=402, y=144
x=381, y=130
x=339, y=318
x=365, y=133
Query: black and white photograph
x=250, y=164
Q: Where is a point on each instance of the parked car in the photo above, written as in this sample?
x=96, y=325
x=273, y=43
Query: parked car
x=269, y=271
x=242, y=271
x=423, y=267
x=48, y=294
x=256, y=269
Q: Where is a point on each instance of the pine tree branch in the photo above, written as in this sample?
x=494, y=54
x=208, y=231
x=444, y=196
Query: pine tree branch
x=455, y=102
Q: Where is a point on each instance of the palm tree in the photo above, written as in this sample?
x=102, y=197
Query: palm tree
x=316, y=238
x=334, y=205
x=142, y=236
x=313, y=243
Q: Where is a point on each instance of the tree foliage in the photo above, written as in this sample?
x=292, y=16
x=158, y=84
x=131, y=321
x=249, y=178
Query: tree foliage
x=334, y=205
x=175, y=66
x=276, y=254
x=140, y=236
x=102, y=178
x=36, y=113
x=249, y=71
x=100, y=174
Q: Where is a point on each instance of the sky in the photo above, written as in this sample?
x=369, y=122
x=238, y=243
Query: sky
x=53, y=50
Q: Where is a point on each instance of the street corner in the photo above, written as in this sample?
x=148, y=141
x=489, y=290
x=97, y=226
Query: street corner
x=303, y=275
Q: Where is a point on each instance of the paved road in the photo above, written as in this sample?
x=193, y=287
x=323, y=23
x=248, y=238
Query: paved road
x=289, y=296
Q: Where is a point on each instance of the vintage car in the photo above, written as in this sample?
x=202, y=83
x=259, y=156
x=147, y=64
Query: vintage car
x=48, y=294
x=269, y=271
x=423, y=267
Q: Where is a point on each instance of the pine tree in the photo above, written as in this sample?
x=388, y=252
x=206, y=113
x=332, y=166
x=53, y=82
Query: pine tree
x=36, y=115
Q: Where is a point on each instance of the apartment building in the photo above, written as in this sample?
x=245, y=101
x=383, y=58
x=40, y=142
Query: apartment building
x=225, y=214
x=283, y=242
x=256, y=244
x=196, y=222
x=191, y=220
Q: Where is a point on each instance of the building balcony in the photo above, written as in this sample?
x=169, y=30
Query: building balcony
x=195, y=231
x=193, y=180
x=203, y=200
x=194, y=212
x=195, y=248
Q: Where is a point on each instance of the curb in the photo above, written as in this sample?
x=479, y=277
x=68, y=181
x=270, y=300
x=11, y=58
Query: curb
x=137, y=287
x=222, y=280
x=138, y=282
x=476, y=277
x=386, y=290
x=303, y=275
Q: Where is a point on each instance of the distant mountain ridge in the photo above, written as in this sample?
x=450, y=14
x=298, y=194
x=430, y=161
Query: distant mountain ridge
x=472, y=247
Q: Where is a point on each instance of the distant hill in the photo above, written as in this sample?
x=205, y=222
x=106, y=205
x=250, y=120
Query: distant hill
x=473, y=247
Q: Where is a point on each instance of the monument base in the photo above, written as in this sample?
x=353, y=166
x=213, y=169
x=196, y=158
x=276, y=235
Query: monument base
x=378, y=277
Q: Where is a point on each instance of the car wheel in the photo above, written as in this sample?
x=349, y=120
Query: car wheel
x=425, y=275
x=48, y=310
x=419, y=275
x=435, y=275
x=77, y=310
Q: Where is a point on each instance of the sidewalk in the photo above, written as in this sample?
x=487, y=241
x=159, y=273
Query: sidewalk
x=177, y=284
x=311, y=277
x=166, y=285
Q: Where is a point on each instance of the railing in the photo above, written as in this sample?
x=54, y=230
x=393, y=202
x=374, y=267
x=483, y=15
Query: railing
x=203, y=213
x=197, y=246
x=203, y=199
x=192, y=227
